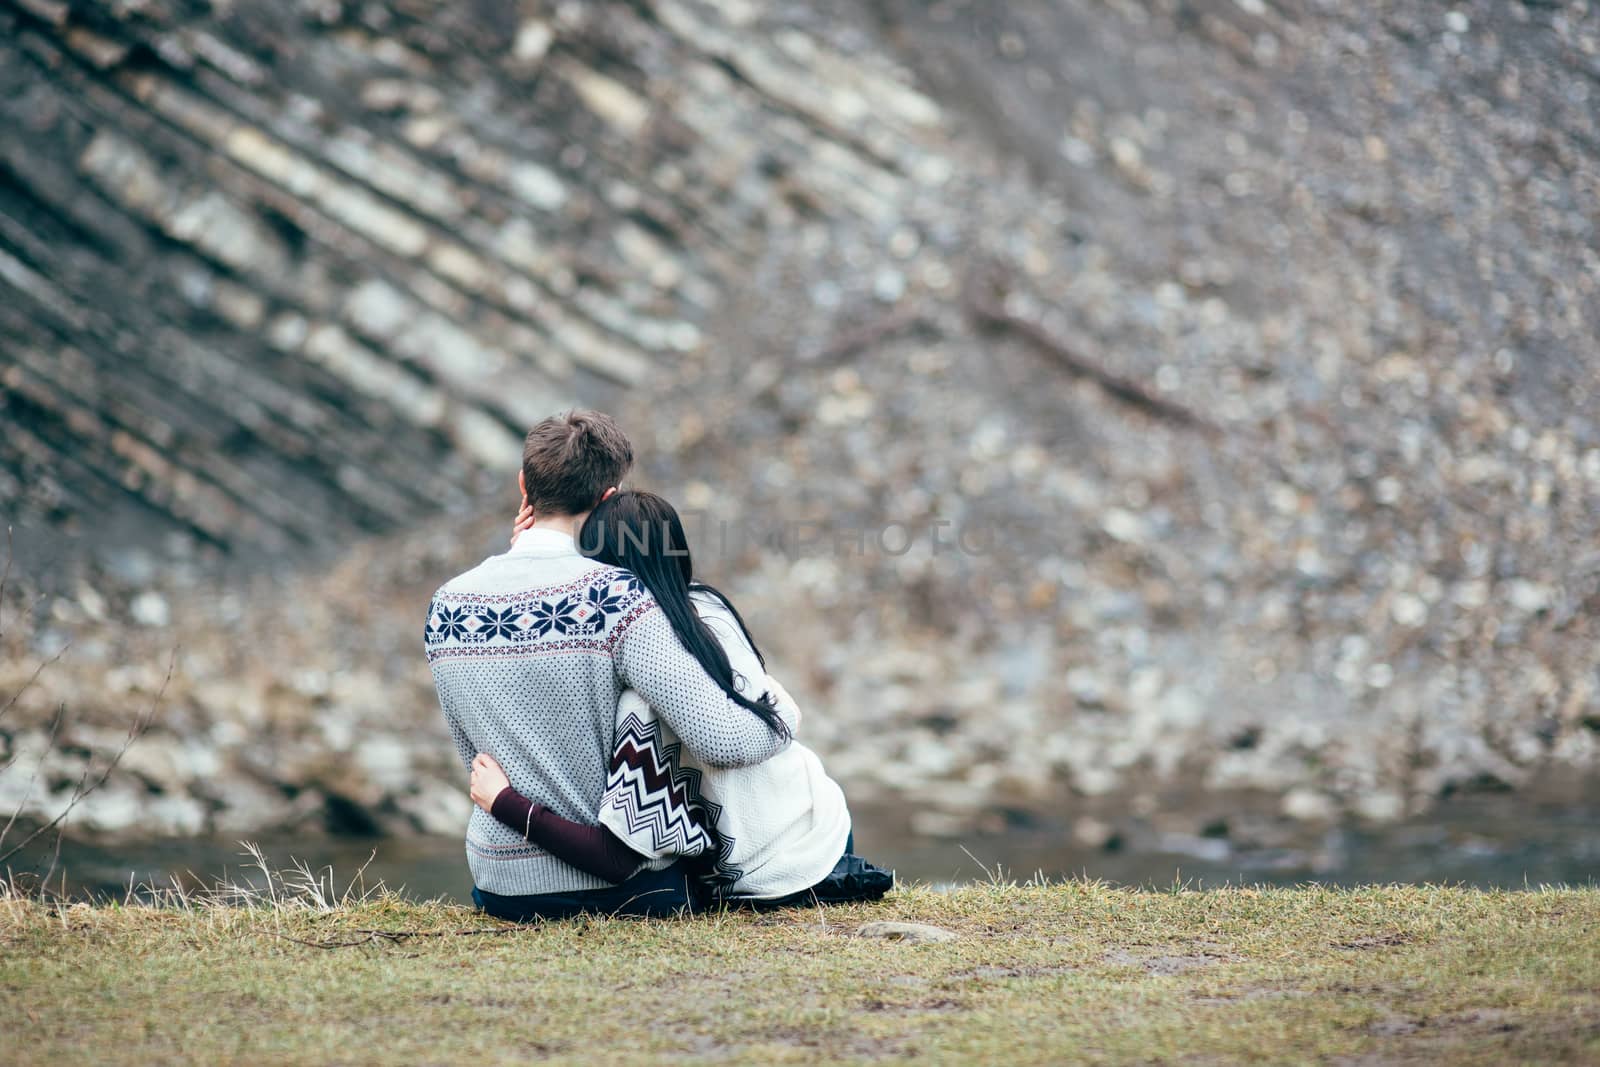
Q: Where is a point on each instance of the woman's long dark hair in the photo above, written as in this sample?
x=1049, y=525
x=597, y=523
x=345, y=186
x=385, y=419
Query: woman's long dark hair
x=640, y=532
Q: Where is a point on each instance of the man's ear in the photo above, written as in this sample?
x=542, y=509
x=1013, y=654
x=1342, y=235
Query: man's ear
x=522, y=487
x=608, y=494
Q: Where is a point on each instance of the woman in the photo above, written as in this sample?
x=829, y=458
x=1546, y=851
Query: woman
x=772, y=834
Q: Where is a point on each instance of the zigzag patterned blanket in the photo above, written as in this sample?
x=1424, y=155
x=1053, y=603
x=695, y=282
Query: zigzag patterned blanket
x=654, y=803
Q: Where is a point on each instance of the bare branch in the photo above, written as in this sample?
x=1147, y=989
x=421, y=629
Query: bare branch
x=49, y=743
x=135, y=731
x=847, y=344
x=32, y=678
x=55, y=860
x=5, y=577
x=985, y=302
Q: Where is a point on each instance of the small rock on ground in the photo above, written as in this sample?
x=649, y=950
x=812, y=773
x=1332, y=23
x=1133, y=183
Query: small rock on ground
x=906, y=932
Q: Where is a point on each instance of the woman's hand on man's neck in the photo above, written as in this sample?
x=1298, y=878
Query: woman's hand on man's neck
x=567, y=524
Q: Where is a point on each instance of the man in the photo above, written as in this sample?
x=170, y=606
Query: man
x=531, y=650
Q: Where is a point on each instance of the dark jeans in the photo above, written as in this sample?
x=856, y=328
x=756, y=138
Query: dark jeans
x=655, y=893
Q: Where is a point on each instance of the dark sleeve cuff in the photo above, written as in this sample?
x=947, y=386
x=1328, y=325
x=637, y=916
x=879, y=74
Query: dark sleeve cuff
x=513, y=809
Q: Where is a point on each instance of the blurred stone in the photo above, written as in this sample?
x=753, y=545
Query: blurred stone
x=1309, y=805
x=532, y=42
x=1095, y=781
x=537, y=185
x=940, y=824
x=899, y=931
x=1086, y=687
x=150, y=609
x=387, y=761
x=1528, y=596
x=1207, y=849
x=116, y=807
x=435, y=808
x=1091, y=832
x=247, y=805
x=1380, y=806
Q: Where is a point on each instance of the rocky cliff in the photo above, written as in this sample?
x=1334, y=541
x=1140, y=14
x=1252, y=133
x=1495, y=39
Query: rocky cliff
x=1078, y=397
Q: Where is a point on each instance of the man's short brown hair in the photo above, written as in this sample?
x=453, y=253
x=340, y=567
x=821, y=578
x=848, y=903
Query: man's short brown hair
x=569, y=461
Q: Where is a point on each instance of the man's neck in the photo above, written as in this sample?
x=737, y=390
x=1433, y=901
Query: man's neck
x=562, y=524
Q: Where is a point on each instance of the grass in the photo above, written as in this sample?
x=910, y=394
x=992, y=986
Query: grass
x=1075, y=972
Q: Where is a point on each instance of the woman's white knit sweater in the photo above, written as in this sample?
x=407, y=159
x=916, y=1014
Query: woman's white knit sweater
x=781, y=824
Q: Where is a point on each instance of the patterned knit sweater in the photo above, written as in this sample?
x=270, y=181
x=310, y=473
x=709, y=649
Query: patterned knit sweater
x=530, y=651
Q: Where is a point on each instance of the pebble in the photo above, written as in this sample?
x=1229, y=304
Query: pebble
x=1380, y=806
x=900, y=931
x=1308, y=805
x=1091, y=832
x=150, y=609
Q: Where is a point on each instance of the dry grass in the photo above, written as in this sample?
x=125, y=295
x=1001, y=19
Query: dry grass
x=1080, y=972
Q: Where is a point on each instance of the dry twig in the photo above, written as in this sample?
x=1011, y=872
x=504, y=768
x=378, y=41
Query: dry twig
x=394, y=937
x=985, y=302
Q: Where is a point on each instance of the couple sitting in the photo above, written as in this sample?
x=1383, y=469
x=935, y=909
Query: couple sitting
x=629, y=753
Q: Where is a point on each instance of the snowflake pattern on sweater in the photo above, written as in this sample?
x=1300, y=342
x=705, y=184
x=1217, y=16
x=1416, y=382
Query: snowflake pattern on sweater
x=581, y=609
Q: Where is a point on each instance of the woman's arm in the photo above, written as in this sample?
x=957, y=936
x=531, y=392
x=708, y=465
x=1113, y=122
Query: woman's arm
x=716, y=731
x=592, y=849
x=787, y=707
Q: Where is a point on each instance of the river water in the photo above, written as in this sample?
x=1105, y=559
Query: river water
x=1491, y=841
